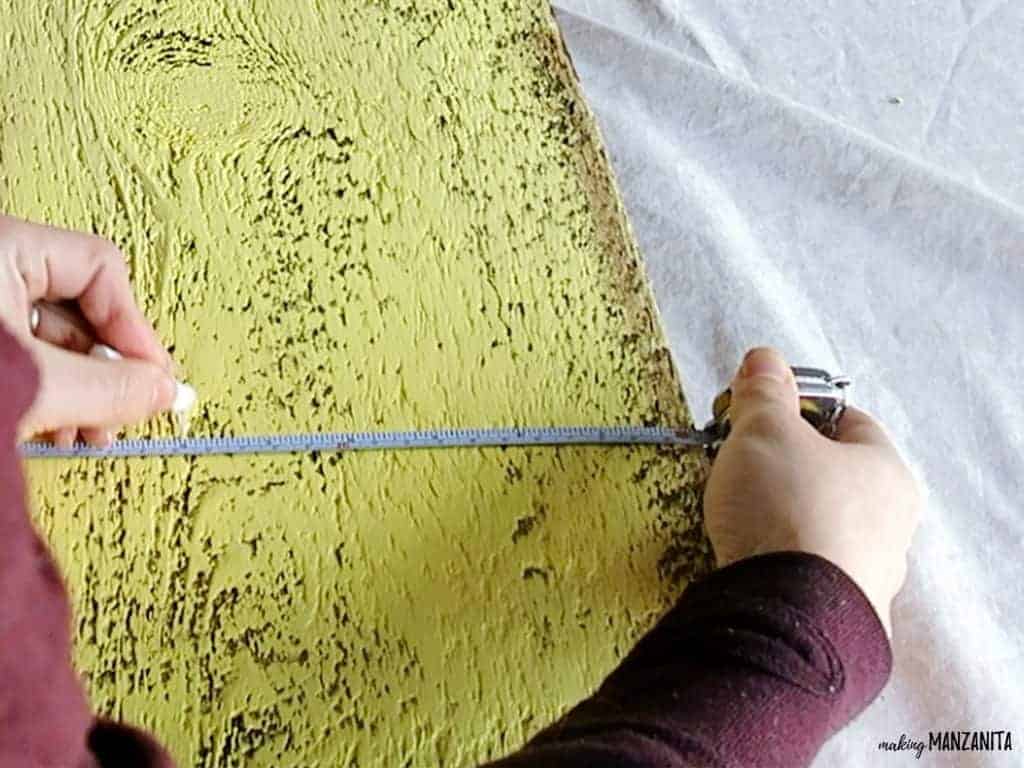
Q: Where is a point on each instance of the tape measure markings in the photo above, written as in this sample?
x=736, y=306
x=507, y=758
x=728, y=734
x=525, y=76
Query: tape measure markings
x=370, y=441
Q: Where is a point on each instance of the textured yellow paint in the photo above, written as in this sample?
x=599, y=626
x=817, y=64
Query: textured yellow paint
x=351, y=215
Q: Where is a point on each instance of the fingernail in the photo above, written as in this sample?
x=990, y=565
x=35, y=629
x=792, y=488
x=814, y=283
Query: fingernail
x=764, y=361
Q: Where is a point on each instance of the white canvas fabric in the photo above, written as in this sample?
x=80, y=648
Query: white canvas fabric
x=844, y=179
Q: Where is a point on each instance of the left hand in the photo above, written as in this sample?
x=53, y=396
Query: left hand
x=779, y=485
x=79, y=283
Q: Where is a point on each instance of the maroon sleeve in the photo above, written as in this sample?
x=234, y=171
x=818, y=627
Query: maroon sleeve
x=45, y=721
x=755, y=666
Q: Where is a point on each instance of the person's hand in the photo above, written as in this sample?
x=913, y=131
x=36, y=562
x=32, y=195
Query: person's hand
x=779, y=485
x=79, y=284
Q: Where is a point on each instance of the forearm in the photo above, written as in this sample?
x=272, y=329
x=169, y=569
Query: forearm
x=757, y=665
x=43, y=714
x=45, y=719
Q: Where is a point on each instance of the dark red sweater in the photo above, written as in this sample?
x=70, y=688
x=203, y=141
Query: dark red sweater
x=756, y=665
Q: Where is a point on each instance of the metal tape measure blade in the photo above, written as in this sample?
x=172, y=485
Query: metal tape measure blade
x=365, y=441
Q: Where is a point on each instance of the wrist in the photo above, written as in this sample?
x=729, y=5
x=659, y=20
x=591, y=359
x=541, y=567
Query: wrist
x=865, y=576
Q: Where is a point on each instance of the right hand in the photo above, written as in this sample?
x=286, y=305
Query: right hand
x=779, y=485
x=79, y=284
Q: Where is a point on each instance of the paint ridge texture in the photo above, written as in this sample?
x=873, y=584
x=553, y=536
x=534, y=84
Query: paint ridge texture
x=363, y=215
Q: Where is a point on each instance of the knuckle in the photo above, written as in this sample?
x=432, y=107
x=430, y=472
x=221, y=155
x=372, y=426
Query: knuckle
x=109, y=255
x=759, y=387
x=130, y=391
x=121, y=392
x=763, y=422
x=32, y=269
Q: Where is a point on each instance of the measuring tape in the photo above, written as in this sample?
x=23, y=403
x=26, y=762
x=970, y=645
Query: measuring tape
x=822, y=402
x=372, y=441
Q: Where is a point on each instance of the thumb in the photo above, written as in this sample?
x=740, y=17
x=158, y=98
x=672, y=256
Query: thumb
x=764, y=392
x=81, y=391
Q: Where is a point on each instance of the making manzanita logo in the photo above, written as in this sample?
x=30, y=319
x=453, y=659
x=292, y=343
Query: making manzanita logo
x=951, y=741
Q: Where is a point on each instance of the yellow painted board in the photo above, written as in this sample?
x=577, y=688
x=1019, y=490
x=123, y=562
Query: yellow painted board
x=352, y=215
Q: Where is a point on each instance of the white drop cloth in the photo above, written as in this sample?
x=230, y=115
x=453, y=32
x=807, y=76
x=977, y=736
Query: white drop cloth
x=844, y=179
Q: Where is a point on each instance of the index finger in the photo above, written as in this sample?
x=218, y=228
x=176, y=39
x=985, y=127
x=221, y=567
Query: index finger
x=857, y=426
x=58, y=264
